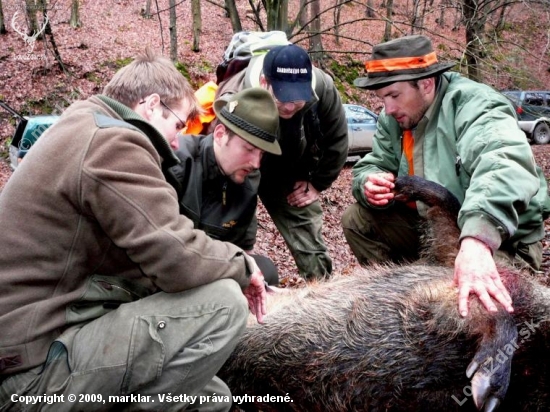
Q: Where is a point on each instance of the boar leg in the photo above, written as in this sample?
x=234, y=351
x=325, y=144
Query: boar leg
x=490, y=369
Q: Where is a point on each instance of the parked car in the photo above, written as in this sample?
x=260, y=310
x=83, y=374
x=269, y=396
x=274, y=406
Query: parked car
x=361, y=128
x=533, y=110
x=27, y=132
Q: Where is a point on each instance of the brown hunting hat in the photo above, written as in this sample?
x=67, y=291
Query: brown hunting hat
x=399, y=60
x=252, y=115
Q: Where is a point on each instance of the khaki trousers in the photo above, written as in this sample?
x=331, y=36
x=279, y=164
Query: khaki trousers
x=165, y=344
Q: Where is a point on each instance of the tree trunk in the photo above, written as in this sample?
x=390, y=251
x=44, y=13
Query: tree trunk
x=32, y=23
x=417, y=19
x=414, y=15
x=282, y=16
x=337, y=13
x=48, y=34
x=499, y=27
x=315, y=41
x=75, y=15
x=389, y=19
x=273, y=10
x=441, y=19
x=303, y=16
x=369, y=11
x=472, y=55
x=146, y=12
x=475, y=30
x=233, y=14
x=197, y=24
x=2, y=24
x=173, y=32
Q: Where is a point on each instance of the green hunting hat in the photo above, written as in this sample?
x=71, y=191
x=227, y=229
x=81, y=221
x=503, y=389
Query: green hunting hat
x=399, y=60
x=251, y=114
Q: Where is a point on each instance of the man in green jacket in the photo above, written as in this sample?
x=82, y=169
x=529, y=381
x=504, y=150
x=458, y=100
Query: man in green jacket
x=313, y=135
x=105, y=289
x=464, y=136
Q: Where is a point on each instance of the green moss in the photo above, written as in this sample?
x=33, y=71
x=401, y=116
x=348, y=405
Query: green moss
x=93, y=77
x=182, y=68
x=52, y=103
x=120, y=63
x=347, y=71
x=205, y=66
x=117, y=64
x=38, y=106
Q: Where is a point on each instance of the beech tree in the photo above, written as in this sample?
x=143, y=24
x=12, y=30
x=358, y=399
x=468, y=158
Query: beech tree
x=146, y=11
x=197, y=24
x=173, y=31
x=277, y=14
x=479, y=17
x=75, y=14
x=388, y=25
x=315, y=40
x=2, y=24
x=233, y=14
x=32, y=23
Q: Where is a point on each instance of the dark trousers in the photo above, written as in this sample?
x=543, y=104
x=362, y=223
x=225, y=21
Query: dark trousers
x=268, y=268
x=393, y=235
x=301, y=230
x=382, y=235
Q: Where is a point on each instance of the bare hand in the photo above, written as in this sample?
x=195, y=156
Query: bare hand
x=303, y=194
x=378, y=188
x=256, y=295
x=475, y=272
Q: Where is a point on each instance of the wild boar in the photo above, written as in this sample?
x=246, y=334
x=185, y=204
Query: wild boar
x=390, y=338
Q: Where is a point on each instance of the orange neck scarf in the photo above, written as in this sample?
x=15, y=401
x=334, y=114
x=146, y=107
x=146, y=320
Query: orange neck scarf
x=408, y=144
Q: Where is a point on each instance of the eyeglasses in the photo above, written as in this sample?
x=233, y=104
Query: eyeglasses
x=171, y=111
x=183, y=124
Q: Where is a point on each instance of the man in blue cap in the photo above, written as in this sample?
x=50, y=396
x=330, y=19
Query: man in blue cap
x=314, y=143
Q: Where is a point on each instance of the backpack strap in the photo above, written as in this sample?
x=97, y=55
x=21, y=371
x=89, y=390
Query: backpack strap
x=312, y=124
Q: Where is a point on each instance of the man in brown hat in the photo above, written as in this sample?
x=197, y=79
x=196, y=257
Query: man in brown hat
x=218, y=177
x=464, y=136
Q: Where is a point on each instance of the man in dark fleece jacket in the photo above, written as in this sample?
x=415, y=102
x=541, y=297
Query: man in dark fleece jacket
x=219, y=173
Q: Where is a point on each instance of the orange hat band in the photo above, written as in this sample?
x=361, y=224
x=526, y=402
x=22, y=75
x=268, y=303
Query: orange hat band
x=401, y=63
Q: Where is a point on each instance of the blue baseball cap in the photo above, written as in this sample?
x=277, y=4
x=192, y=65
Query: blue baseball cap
x=288, y=70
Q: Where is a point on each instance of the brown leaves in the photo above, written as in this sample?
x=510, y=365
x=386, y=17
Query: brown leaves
x=334, y=200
